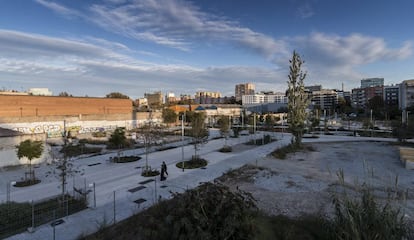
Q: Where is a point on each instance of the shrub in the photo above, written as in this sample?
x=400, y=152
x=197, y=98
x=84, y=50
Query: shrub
x=27, y=183
x=150, y=173
x=125, y=159
x=211, y=211
x=76, y=150
x=366, y=219
x=99, y=134
x=282, y=152
x=226, y=149
x=195, y=162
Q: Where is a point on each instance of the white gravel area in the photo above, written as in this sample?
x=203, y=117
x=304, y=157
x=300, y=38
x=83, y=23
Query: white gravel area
x=304, y=182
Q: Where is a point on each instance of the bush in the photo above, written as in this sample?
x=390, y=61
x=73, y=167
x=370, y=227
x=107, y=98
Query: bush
x=99, y=134
x=125, y=159
x=76, y=150
x=150, y=173
x=366, y=219
x=226, y=149
x=282, y=152
x=27, y=183
x=211, y=211
x=195, y=162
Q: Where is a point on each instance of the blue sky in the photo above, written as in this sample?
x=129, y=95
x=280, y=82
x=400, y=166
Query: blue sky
x=87, y=47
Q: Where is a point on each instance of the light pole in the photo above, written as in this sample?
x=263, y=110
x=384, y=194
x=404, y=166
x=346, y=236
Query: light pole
x=182, y=140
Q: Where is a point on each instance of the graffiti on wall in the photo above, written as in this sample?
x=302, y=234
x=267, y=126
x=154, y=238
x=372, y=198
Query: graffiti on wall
x=97, y=129
x=44, y=128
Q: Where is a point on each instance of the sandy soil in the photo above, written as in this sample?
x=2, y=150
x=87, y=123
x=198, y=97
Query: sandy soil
x=304, y=182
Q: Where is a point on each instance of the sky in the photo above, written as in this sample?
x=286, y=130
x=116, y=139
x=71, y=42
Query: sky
x=92, y=48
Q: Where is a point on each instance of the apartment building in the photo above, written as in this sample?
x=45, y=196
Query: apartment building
x=243, y=89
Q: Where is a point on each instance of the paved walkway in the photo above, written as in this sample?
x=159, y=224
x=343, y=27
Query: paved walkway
x=132, y=192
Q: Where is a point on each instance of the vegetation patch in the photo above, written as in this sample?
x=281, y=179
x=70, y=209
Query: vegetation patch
x=125, y=159
x=210, y=211
x=17, y=217
x=282, y=152
x=150, y=173
x=166, y=148
x=99, y=134
x=195, y=162
x=27, y=183
x=226, y=149
x=76, y=150
x=92, y=141
x=261, y=141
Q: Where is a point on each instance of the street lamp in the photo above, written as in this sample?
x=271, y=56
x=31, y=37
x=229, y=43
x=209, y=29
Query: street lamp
x=182, y=140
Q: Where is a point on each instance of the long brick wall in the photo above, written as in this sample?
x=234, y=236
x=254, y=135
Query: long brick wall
x=44, y=106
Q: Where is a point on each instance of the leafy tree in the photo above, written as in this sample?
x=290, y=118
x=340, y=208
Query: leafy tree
x=117, y=95
x=118, y=138
x=198, y=130
x=376, y=104
x=297, y=99
x=169, y=116
x=223, y=122
x=31, y=150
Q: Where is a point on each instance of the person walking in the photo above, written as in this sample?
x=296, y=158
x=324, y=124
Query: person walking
x=163, y=171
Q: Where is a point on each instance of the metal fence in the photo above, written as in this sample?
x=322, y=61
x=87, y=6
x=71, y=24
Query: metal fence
x=18, y=217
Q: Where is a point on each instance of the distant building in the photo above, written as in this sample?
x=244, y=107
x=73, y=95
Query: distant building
x=361, y=96
x=243, y=89
x=268, y=97
x=154, y=99
x=12, y=92
x=171, y=98
x=372, y=82
x=313, y=88
x=406, y=94
x=391, y=95
x=141, y=102
x=324, y=99
x=40, y=92
x=203, y=97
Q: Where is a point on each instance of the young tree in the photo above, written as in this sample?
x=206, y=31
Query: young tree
x=198, y=131
x=169, y=116
x=298, y=101
x=224, y=124
x=150, y=133
x=31, y=150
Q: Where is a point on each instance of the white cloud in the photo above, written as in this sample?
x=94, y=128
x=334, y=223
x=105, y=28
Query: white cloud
x=67, y=12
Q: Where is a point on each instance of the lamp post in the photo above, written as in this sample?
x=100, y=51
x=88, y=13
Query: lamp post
x=182, y=140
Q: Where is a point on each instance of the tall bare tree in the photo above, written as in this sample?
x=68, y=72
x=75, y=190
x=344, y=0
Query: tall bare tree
x=298, y=100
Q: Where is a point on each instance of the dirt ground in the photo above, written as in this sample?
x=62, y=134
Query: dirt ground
x=304, y=182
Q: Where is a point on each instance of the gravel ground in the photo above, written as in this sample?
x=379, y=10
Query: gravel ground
x=304, y=182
